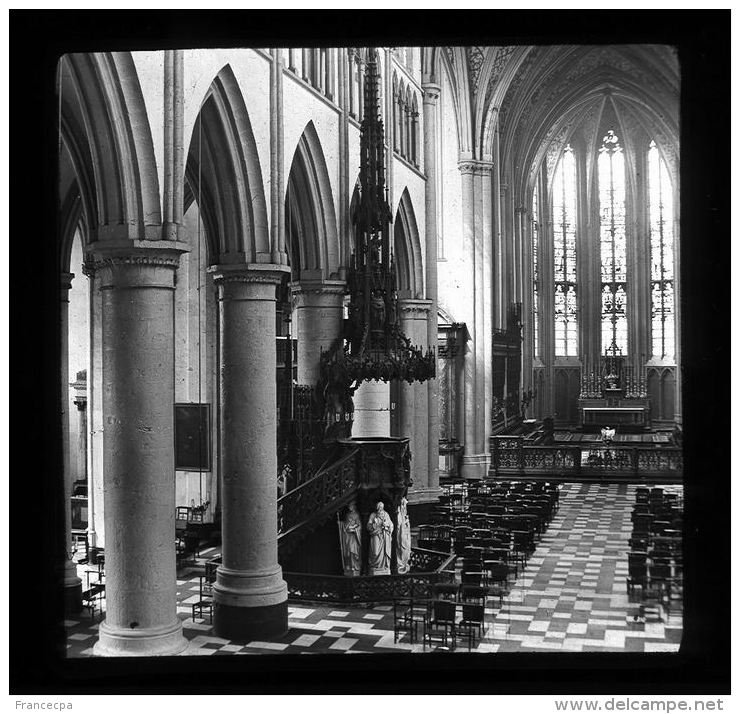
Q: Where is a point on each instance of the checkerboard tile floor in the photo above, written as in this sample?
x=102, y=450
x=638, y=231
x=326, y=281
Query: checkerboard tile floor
x=570, y=598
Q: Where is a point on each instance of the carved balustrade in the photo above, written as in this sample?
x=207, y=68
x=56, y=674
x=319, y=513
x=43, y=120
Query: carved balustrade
x=376, y=588
x=512, y=456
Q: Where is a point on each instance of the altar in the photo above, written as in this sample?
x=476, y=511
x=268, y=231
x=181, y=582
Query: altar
x=615, y=416
x=614, y=394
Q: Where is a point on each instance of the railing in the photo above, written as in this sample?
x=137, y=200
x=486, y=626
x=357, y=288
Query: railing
x=322, y=494
x=510, y=456
x=375, y=588
x=424, y=561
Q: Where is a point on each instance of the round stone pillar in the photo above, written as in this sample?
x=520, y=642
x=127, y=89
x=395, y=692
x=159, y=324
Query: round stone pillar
x=71, y=583
x=430, y=114
x=250, y=595
x=137, y=285
x=372, y=402
x=318, y=315
x=414, y=402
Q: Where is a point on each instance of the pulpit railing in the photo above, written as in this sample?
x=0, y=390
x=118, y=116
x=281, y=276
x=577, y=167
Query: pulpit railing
x=425, y=560
x=321, y=495
x=373, y=588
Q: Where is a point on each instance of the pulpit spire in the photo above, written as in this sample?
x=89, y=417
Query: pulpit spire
x=372, y=345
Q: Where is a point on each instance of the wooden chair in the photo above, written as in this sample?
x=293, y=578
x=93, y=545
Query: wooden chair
x=445, y=591
x=201, y=608
x=474, y=593
x=205, y=602
x=403, y=619
x=474, y=577
x=638, y=576
x=497, y=574
x=92, y=596
x=441, y=623
x=472, y=622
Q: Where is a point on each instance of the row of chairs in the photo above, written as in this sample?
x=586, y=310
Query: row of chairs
x=655, y=559
x=493, y=529
x=452, y=611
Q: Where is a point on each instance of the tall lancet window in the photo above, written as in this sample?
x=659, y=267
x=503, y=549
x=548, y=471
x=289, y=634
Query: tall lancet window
x=613, y=246
x=536, y=269
x=660, y=199
x=564, y=242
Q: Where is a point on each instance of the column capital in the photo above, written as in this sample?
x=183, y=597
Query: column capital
x=319, y=287
x=248, y=281
x=121, y=263
x=413, y=307
x=475, y=167
x=431, y=93
x=261, y=273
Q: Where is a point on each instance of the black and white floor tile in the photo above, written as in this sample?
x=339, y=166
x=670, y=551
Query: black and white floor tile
x=570, y=598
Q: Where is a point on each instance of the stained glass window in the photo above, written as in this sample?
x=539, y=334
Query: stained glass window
x=535, y=269
x=564, y=244
x=660, y=199
x=613, y=246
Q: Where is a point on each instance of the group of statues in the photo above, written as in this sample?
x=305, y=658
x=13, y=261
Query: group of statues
x=380, y=530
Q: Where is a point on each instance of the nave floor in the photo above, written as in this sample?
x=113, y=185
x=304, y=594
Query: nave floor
x=570, y=598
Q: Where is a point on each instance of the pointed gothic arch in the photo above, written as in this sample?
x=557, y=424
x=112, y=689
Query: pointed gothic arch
x=223, y=172
x=106, y=137
x=407, y=248
x=311, y=227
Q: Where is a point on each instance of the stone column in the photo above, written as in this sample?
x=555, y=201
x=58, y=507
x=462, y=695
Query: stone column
x=137, y=285
x=318, y=316
x=414, y=412
x=372, y=402
x=250, y=596
x=476, y=211
x=71, y=584
x=470, y=457
x=95, y=485
x=80, y=401
x=277, y=180
x=430, y=109
x=484, y=307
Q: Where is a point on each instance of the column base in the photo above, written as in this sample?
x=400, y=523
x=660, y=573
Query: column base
x=72, y=588
x=146, y=642
x=475, y=466
x=73, y=599
x=249, y=605
x=250, y=623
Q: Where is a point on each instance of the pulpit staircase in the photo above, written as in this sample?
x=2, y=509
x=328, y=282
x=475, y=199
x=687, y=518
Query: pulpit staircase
x=305, y=508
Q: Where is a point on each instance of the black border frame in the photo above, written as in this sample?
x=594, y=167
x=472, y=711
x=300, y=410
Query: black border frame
x=38, y=38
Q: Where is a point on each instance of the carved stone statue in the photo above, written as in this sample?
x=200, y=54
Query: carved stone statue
x=380, y=527
x=350, y=539
x=377, y=313
x=403, y=538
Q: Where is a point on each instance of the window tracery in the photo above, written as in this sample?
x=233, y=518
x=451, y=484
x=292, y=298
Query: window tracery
x=660, y=201
x=564, y=246
x=613, y=243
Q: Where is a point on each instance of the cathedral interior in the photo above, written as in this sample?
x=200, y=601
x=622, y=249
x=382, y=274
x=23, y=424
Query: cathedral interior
x=371, y=350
